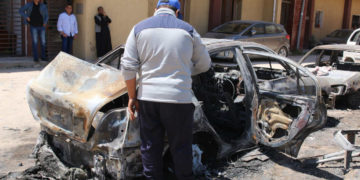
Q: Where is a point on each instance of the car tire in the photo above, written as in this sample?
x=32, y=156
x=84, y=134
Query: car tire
x=283, y=51
x=353, y=100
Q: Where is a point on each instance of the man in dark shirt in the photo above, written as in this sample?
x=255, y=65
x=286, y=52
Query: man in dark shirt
x=36, y=14
x=103, y=39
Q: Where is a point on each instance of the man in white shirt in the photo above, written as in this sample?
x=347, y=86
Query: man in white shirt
x=68, y=28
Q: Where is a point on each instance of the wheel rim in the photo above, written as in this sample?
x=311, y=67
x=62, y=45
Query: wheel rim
x=283, y=52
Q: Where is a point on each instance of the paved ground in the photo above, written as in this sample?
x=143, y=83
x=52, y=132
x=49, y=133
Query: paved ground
x=18, y=133
x=18, y=130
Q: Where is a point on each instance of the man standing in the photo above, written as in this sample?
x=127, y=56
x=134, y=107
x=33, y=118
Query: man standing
x=36, y=14
x=166, y=52
x=103, y=39
x=68, y=28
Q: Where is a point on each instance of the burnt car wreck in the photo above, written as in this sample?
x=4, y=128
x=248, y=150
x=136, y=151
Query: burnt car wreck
x=82, y=109
x=338, y=75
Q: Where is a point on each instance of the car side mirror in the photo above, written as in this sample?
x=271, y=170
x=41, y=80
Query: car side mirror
x=253, y=32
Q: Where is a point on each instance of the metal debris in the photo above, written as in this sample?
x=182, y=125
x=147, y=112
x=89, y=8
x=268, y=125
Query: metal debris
x=254, y=154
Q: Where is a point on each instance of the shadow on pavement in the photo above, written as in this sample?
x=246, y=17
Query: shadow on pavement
x=296, y=165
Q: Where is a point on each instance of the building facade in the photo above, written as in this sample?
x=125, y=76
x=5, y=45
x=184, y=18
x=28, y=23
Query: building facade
x=305, y=20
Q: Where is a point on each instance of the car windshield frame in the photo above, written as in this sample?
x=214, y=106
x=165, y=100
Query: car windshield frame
x=232, y=28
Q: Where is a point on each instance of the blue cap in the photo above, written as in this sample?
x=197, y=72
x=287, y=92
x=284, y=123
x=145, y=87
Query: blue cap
x=173, y=3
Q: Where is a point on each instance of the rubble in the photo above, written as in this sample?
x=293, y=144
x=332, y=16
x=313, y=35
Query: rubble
x=254, y=154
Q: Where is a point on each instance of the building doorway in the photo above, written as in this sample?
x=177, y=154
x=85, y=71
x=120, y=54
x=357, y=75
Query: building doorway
x=53, y=39
x=355, y=22
x=287, y=12
x=222, y=11
x=15, y=37
x=12, y=29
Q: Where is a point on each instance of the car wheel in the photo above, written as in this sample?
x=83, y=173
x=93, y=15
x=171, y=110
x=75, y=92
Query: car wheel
x=353, y=100
x=283, y=52
x=349, y=60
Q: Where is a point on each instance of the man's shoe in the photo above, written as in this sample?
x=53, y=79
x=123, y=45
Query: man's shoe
x=36, y=60
x=44, y=59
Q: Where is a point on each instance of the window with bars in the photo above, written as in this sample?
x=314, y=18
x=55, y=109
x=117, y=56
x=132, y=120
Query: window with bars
x=12, y=31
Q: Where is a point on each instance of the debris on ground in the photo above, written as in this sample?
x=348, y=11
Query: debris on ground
x=254, y=154
x=48, y=165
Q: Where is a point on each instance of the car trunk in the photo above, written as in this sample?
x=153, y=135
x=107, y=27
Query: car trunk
x=69, y=92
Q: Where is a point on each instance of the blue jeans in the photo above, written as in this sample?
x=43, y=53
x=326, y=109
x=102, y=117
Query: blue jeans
x=67, y=44
x=37, y=32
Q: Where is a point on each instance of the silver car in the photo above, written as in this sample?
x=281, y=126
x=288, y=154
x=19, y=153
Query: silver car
x=82, y=110
x=269, y=34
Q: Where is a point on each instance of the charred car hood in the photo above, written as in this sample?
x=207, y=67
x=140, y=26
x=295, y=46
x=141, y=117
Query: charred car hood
x=348, y=79
x=69, y=88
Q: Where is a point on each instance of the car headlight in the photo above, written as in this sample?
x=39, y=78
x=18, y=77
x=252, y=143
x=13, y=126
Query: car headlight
x=337, y=89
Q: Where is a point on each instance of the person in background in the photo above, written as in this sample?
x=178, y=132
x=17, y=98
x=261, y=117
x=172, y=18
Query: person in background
x=103, y=39
x=68, y=28
x=165, y=52
x=36, y=14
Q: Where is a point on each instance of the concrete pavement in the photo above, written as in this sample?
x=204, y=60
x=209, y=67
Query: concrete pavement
x=21, y=62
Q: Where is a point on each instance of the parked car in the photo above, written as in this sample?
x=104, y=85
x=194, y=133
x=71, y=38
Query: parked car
x=339, y=36
x=354, y=38
x=269, y=34
x=338, y=77
x=82, y=108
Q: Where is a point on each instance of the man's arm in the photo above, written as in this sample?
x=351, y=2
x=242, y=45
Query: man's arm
x=76, y=26
x=97, y=20
x=130, y=65
x=46, y=15
x=108, y=19
x=201, y=58
x=59, y=26
x=23, y=9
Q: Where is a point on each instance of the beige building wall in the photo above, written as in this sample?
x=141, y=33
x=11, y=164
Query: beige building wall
x=252, y=10
x=197, y=14
x=261, y=10
x=123, y=19
x=124, y=15
x=332, y=18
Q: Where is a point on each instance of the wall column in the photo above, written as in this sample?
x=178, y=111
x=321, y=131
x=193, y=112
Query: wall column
x=347, y=14
x=215, y=13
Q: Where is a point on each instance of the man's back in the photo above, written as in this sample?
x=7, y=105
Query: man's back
x=165, y=49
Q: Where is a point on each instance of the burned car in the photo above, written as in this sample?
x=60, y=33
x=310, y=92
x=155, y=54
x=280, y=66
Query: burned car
x=82, y=108
x=339, y=78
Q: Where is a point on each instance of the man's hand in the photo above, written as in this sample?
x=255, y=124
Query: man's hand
x=64, y=35
x=44, y=25
x=75, y=36
x=133, y=105
x=28, y=19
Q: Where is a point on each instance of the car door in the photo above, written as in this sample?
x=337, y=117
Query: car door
x=255, y=34
x=354, y=38
x=289, y=102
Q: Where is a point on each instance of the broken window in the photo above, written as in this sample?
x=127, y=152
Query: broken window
x=222, y=92
x=112, y=59
x=322, y=57
x=285, y=92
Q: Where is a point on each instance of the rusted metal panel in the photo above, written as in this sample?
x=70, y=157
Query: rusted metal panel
x=69, y=92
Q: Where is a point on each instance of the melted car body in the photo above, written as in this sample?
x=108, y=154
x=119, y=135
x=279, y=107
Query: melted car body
x=82, y=108
x=338, y=75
